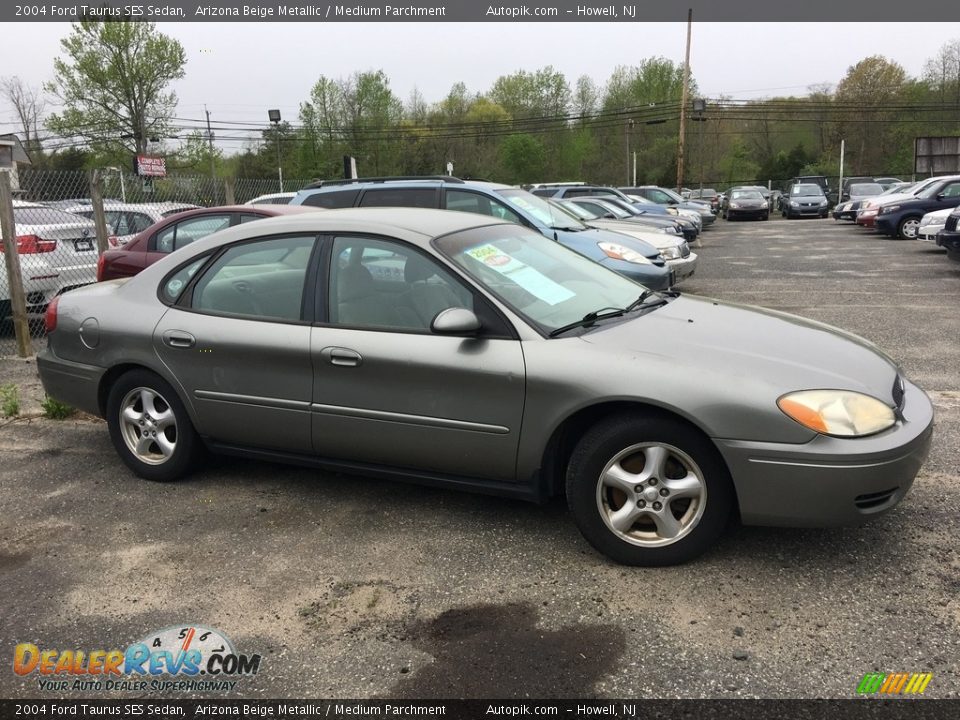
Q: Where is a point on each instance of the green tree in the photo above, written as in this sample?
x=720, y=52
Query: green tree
x=524, y=158
x=113, y=84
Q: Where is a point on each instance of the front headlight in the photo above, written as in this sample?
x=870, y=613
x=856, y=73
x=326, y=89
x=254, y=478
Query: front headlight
x=734, y=205
x=888, y=209
x=844, y=207
x=794, y=203
x=925, y=220
x=837, y=412
x=619, y=252
x=672, y=211
x=823, y=203
x=670, y=253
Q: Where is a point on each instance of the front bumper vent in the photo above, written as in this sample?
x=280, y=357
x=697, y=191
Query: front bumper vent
x=873, y=501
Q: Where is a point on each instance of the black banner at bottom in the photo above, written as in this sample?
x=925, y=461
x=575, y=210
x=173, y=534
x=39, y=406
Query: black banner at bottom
x=888, y=709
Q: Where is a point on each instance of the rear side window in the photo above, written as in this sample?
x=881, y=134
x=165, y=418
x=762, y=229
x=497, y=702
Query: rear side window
x=400, y=197
x=332, y=200
x=187, y=231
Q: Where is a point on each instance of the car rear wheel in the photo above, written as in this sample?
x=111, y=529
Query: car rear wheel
x=908, y=228
x=648, y=490
x=150, y=428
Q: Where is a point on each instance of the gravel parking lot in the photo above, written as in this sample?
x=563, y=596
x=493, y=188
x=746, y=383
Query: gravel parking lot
x=352, y=587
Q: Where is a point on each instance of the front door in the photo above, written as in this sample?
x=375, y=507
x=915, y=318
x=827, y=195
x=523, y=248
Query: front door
x=388, y=391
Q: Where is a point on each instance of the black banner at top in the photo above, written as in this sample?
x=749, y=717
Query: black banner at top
x=534, y=11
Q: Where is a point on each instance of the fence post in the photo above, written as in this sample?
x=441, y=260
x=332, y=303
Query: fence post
x=18, y=302
x=99, y=219
x=229, y=191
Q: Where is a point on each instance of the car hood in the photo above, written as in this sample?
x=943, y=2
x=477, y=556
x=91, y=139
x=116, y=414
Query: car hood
x=753, y=347
x=595, y=235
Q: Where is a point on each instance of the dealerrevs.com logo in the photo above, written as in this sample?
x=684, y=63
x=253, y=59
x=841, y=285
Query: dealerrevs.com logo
x=187, y=658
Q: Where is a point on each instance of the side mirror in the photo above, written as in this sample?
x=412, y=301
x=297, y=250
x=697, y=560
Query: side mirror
x=455, y=321
x=941, y=195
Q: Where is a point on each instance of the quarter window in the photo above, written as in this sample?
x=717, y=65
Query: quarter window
x=400, y=197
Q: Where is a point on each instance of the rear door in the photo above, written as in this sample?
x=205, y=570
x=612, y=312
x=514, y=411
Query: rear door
x=238, y=341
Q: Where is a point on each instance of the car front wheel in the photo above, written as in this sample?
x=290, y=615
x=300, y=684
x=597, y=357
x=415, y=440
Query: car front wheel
x=648, y=490
x=908, y=228
x=150, y=428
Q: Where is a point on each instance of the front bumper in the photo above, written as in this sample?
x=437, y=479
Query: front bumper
x=950, y=241
x=747, y=213
x=683, y=268
x=929, y=233
x=887, y=224
x=831, y=481
x=868, y=220
x=70, y=382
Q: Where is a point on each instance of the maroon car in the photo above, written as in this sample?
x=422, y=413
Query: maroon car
x=181, y=229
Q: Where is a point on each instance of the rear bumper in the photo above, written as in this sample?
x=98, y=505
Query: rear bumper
x=831, y=481
x=70, y=382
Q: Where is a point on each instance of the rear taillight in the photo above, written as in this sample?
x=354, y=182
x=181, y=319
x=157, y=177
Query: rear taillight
x=50, y=318
x=33, y=244
x=101, y=263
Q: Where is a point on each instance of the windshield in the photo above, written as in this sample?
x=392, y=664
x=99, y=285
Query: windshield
x=931, y=189
x=865, y=189
x=746, y=195
x=904, y=188
x=538, y=278
x=614, y=207
x=578, y=211
x=806, y=190
x=541, y=211
x=671, y=194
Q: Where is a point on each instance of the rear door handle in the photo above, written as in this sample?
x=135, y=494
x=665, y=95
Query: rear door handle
x=342, y=357
x=179, y=339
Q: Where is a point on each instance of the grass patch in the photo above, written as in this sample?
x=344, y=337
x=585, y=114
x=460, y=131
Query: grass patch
x=10, y=400
x=56, y=410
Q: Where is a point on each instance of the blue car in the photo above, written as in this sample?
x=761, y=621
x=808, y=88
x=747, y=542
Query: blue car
x=900, y=218
x=626, y=255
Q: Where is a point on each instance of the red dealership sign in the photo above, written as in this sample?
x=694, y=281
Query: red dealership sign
x=150, y=166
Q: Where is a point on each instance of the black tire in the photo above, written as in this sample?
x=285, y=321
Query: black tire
x=637, y=441
x=907, y=228
x=169, y=449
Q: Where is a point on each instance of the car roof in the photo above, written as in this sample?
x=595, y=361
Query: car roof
x=418, y=225
x=406, y=182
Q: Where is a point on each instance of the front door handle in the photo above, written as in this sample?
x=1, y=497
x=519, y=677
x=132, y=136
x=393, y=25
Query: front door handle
x=179, y=339
x=342, y=357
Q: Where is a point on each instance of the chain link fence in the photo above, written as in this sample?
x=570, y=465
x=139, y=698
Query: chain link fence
x=52, y=220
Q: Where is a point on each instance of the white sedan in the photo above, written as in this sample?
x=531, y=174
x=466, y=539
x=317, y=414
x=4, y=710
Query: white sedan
x=931, y=224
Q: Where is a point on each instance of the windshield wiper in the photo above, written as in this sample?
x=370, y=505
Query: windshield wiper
x=589, y=319
x=641, y=302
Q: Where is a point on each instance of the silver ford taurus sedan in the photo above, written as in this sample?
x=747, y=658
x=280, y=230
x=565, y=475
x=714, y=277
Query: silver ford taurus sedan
x=459, y=350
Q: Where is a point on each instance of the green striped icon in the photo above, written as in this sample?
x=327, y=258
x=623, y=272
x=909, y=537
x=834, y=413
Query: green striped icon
x=894, y=683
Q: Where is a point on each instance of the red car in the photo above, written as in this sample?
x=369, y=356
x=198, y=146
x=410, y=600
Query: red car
x=181, y=229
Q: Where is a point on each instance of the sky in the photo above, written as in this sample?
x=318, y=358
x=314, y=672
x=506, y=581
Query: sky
x=240, y=70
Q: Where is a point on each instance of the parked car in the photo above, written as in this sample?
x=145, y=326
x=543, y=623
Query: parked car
x=493, y=360
x=281, y=198
x=126, y=220
x=175, y=232
x=949, y=237
x=819, y=180
x=570, y=191
x=668, y=198
x=38, y=278
x=613, y=208
x=867, y=214
x=744, y=202
x=67, y=242
x=709, y=195
x=854, y=196
x=900, y=218
x=932, y=223
x=674, y=249
x=633, y=258
x=804, y=200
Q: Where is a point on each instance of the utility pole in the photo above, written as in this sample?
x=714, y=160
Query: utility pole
x=683, y=103
x=626, y=143
x=213, y=171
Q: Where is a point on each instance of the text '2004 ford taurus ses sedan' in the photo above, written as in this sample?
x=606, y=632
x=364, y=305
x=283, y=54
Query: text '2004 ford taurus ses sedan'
x=465, y=351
